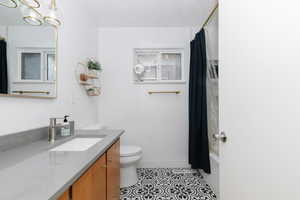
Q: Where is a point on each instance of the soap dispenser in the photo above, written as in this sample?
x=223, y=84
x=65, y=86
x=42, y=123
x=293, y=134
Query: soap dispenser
x=66, y=129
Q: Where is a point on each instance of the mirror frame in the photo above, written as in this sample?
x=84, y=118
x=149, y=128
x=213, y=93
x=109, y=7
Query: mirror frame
x=56, y=74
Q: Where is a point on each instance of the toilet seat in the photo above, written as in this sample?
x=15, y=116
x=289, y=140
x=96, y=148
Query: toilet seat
x=127, y=151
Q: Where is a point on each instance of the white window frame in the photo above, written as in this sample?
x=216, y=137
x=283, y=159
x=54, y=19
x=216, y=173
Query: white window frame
x=159, y=52
x=44, y=52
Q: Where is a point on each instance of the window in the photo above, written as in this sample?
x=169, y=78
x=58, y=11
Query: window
x=36, y=64
x=159, y=65
x=171, y=66
x=31, y=66
x=50, y=76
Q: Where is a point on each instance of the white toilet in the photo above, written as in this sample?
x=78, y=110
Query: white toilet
x=129, y=157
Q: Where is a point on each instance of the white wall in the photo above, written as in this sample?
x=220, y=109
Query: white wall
x=3, y=31
x=77, y=40
x=157, y=123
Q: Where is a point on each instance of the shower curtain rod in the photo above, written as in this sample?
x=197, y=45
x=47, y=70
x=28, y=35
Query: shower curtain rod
x=210, y=15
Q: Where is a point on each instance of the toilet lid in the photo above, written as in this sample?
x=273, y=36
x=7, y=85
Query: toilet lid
x=130, y=150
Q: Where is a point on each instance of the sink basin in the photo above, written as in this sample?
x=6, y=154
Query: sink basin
x=77, y=144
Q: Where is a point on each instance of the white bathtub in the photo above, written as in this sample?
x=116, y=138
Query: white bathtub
x=213, y=178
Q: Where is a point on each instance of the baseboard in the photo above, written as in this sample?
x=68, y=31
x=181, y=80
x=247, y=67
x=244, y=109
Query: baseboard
x=164, y=164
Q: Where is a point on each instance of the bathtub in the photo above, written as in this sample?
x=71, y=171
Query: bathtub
x=213, y=178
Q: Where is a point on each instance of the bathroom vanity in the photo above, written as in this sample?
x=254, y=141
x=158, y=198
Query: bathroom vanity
x=43, y=171
x=101, y=181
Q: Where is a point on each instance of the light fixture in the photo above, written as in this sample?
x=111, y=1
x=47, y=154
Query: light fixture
x=31, y=15
x=36, y=12
x=31, y=3
x=9, y=3
x=52, y=17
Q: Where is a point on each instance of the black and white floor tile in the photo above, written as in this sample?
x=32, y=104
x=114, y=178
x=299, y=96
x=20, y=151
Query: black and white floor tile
x=168, y=184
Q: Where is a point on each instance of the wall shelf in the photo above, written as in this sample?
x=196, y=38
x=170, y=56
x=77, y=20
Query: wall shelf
x=85, y=83
x=92, y=77
x=88, y=79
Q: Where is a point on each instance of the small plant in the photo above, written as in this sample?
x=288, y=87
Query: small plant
x=93, y=91
x=94, y=65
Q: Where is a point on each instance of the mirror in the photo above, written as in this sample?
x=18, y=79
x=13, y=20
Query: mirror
x=27, y=57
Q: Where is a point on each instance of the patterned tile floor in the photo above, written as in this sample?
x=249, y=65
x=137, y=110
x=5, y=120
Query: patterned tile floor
x=168, y=184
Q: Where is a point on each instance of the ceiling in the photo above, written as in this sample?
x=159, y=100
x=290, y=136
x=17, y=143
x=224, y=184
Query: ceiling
x=151, y=13
x=13, y=16
x=134, y=13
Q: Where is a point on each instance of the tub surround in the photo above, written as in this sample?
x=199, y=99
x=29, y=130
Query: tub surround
x=32, y=172
x=213, y=179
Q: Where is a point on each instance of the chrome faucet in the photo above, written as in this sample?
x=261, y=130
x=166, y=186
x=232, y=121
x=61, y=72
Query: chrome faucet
x=52, y=129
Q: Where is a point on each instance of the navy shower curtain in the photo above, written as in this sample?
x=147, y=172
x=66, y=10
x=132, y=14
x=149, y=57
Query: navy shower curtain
x=198, y=127
x=3, y=68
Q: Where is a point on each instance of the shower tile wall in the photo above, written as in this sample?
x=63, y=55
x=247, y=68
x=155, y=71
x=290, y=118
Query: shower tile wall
x=213, y=113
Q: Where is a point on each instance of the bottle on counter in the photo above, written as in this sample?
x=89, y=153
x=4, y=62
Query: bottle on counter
x=66, y=129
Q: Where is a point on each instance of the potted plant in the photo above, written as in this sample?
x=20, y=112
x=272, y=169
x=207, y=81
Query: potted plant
x=94, y=91
x=94, y=67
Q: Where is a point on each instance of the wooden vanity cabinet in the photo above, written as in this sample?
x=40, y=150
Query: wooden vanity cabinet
x=92, y=184
x=65, y=196
x=101, y=181
x=113, y=172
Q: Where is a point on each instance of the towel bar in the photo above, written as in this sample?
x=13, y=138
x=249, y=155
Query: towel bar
x=32, y=92
x=164, y=92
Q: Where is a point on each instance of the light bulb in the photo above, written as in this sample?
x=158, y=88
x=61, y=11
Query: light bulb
x=53, y=16
x=31, y=16
x=31, y=3
x=9, y=3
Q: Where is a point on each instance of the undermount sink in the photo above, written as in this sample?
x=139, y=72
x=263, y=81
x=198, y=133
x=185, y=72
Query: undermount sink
x=77, y=144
